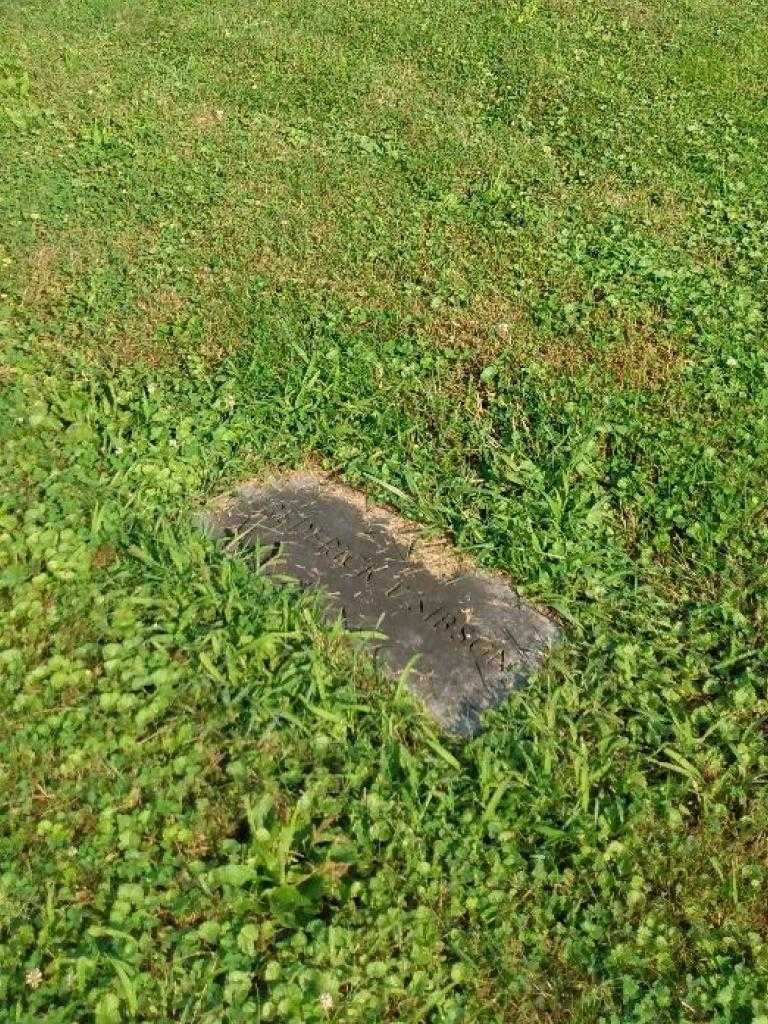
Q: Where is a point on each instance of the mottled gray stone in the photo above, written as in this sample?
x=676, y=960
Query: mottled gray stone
x=466, y=636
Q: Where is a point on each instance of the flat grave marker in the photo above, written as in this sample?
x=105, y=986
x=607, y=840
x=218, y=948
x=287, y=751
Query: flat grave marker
x=465, y=635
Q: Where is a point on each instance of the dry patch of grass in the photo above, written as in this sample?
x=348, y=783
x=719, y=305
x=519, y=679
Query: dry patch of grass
x=45, y=276
x=489, y=323
x=644, y=356
x=208, y=118
x=40, y=278
x=400, y=95
x=316, y=243
x=398, y=87
x=155, y=333
x=643, y=359
x=659, y=209
x=635, y=14
x=160, y=307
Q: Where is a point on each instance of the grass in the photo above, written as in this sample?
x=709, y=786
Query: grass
x=502, y=265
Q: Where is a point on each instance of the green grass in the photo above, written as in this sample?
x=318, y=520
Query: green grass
x=506, y=260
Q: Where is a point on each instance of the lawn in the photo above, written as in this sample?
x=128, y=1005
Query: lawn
x=502, y=266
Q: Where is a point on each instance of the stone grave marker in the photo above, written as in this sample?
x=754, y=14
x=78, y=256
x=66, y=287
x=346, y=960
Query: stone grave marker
x=465, y=635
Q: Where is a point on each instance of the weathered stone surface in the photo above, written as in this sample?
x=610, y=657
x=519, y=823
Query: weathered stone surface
x=466, y=637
